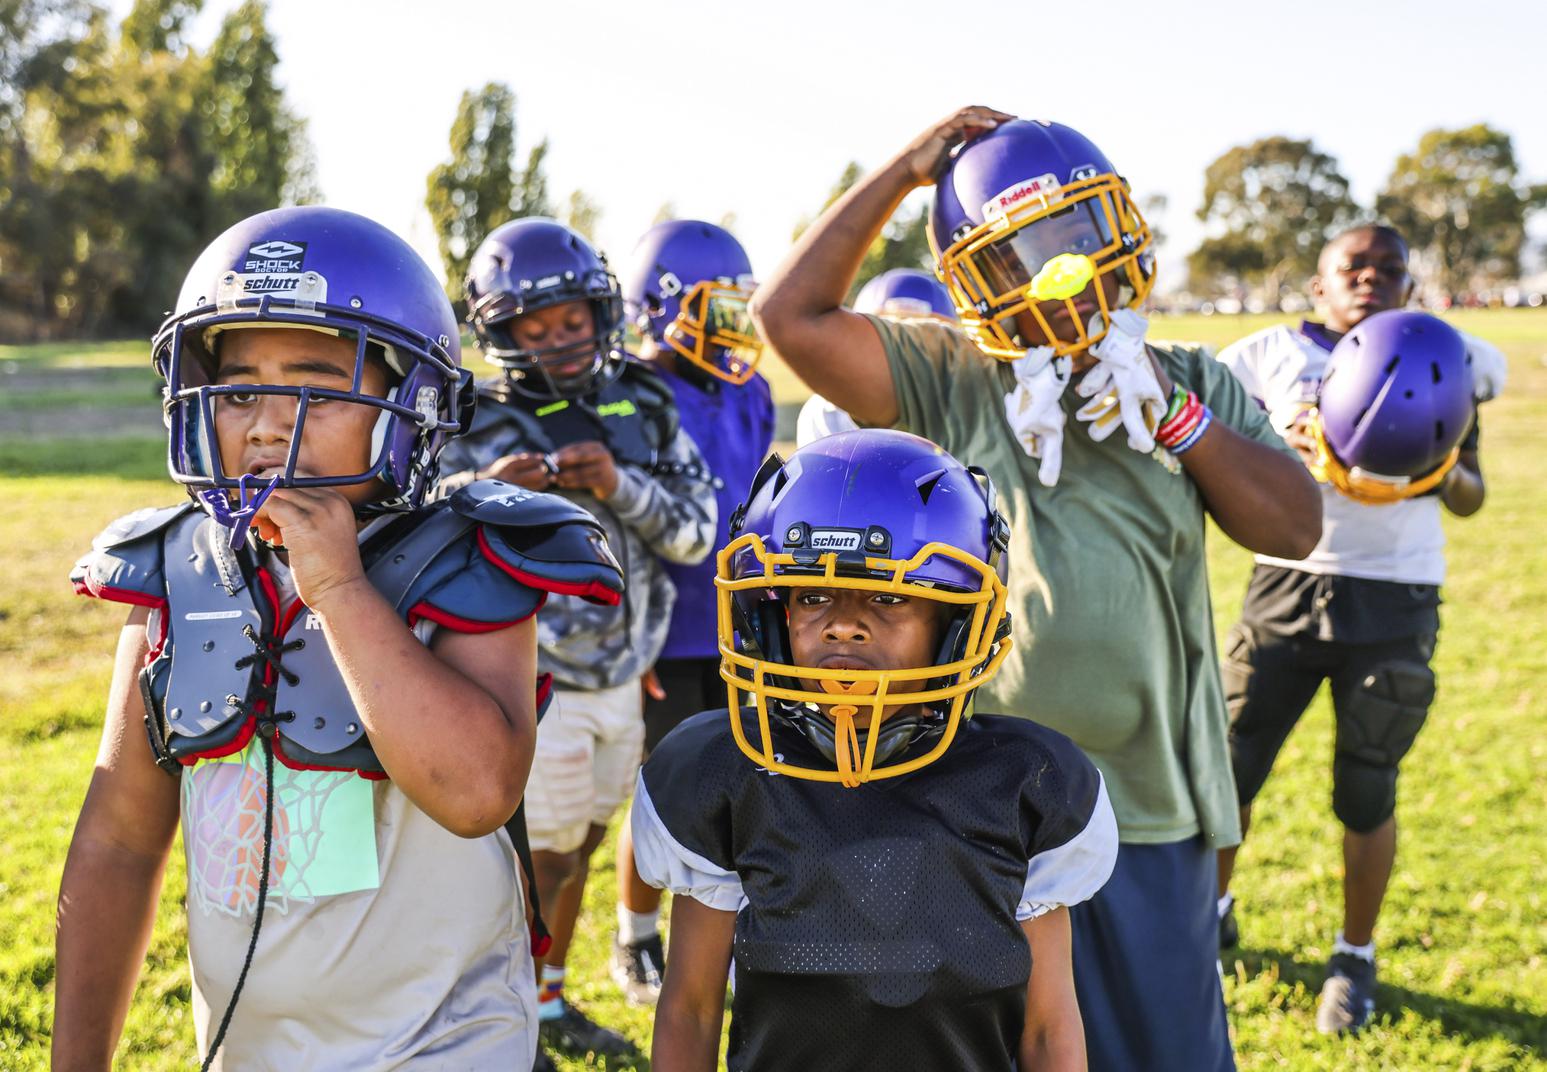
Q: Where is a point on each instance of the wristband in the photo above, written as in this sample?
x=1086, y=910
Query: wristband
x=1176, y=428
x=1196, y=434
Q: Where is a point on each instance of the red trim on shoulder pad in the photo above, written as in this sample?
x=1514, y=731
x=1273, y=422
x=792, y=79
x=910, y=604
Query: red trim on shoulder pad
x=235, y=745
x=84, y=587
x=596, y=593
x=428, y=612
x=540, y=945
x=294, y=764
x=544, y=689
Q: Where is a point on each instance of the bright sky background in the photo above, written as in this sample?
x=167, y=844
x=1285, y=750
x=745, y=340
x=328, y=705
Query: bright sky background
x=755, y=109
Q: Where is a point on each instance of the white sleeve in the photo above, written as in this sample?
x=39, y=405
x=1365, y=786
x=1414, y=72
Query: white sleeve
x=1241, y=359
x=818, y=419
x=1490, y=369
x=667, y=864
x=1075, y=870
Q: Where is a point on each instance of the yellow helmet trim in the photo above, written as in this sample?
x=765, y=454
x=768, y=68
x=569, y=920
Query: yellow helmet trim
x=1362, y=486
x=872, y=690
x=695, y=332
x=988, y=315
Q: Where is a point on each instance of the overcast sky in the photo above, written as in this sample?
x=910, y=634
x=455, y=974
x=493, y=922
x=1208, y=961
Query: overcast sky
x=755, y=109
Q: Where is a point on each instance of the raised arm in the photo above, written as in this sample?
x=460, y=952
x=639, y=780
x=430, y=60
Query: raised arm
x=112, y=874
x=799, y=310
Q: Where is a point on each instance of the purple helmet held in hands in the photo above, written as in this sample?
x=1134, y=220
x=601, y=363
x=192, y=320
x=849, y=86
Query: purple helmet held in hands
x=687, y=287
x=1394, y=405
x=534, y=263
x=872, y=511
x=325, y=270
x=906, y=294
x=1038, y=240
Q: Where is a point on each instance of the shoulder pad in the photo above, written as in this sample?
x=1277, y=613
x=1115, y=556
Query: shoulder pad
x=652, y=394
x=124, y=563
x=544, y=541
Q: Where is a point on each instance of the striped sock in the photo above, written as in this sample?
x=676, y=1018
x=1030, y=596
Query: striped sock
x=550, y=994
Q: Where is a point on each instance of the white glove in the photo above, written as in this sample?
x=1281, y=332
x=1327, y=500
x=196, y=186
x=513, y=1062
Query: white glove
x=1122, y=385
x=1034, y=412
x=1489, y=368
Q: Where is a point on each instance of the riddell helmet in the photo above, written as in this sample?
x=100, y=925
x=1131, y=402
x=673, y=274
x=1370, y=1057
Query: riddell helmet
x=687, y=288
x=1033, y=213
x=906, y=294
x=873, y=511
x=1394, y=405
x=326, y=270
x=530, y=264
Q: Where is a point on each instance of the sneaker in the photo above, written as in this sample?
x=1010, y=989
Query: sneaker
x=1229, y=933
x=638, y=968
x=573, y=1032
x=1348, y=995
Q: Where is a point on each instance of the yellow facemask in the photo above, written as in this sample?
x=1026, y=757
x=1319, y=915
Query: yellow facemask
x=1044, y=249
x=714, y=321
x=752, y=682
x=1362, y=486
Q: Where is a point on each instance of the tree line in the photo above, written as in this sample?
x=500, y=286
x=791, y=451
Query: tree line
x=123, y=149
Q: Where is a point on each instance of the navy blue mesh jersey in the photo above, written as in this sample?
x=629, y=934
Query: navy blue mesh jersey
x=877, y=927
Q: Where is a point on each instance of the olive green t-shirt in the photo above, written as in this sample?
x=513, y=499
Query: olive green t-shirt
x=1108, y=582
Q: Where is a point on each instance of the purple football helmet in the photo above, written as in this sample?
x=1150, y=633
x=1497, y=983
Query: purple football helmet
x=687, y=287
x=1031, y=223
x=873, y=511
x=906, y=293
x=530, y=264
x=1394, y=405
x=330, y=271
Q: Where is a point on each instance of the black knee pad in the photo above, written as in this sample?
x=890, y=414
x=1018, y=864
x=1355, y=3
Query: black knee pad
x=1376, y=727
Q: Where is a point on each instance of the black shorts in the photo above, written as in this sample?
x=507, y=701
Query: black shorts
x=692, y=685
x=1277, y=656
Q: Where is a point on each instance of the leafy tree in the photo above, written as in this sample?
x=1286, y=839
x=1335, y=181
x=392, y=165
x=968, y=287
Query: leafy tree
x=1271, y=205
x=583, y=214
x=480, y=187
x=1460, y=202
x=903, y=244
x=260, y=153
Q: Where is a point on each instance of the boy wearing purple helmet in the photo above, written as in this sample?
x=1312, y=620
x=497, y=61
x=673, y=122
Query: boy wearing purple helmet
x=1361, y=611
x=1049, y=264
x=892, y=872
x=686, y=290
x=330, y=686
x=573, y=413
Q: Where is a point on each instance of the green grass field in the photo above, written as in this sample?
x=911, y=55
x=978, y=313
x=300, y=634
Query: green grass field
x=1463, y=943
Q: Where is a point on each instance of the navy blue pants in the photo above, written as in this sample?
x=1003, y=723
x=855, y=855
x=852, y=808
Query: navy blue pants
x=1146, y=951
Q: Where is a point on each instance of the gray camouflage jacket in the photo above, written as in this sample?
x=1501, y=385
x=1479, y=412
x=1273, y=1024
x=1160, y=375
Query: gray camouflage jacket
x=665, y=507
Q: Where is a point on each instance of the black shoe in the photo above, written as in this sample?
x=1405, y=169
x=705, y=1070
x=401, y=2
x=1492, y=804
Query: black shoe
x=1348, y=995
x=573, y=1032
x=638, y=968
x=1229, y=933
x=543, y=1063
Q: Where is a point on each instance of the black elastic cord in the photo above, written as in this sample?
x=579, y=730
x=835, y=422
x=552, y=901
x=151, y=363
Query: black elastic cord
x=263, y=890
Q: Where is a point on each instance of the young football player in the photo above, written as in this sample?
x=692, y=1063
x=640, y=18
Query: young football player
x=1362, y=610
x=892, y=875
x=686, y=291
x=338, y=685
x=902, y=294
x=573, y=413
x=1048, y=262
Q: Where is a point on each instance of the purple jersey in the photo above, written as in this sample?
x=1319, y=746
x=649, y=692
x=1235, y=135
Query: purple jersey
x=733, y=428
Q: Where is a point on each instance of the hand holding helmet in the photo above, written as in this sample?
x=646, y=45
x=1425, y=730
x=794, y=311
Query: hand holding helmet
x=1490, y=370
x=926, y=155
x=1394, y=405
